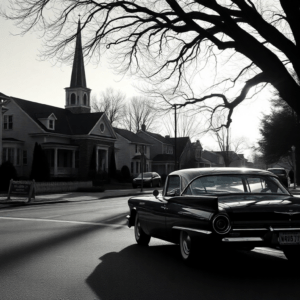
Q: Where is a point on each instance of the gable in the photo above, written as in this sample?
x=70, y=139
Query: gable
x=103, y=128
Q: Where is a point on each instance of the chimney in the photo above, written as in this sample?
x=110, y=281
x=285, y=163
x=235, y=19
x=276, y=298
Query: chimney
x=143, y=127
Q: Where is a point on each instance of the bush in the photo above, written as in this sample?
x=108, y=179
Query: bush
x=126, y=174
x=40, y=170
x=7, y=172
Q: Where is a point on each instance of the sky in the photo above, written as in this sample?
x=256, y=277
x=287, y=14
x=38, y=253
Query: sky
x=25, y=76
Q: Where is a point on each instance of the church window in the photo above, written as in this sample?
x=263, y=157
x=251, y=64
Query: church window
x=8, y=122
x=85, y=100
x=24, y=157
x=8, y=155
x=73, y=99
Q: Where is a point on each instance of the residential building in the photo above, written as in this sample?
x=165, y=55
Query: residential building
x=128, y=148
x=74, y=139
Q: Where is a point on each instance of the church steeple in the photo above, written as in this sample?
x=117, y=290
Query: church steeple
x=78, y=72
x=78, y=95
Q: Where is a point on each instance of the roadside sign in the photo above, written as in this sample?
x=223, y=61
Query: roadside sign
x=21, y=189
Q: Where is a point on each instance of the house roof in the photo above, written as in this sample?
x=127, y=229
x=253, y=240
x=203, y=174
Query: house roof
x=130, y=136
x=159, y=137
x=66, y=123
x=181, y=143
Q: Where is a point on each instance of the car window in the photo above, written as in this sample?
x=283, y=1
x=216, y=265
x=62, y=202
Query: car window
x=173, y=186
x=234, y=184
x=278, y=172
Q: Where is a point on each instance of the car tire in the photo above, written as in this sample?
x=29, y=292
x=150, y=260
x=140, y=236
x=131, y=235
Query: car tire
x=141, y=237
x=187, y=247
x=292, y=253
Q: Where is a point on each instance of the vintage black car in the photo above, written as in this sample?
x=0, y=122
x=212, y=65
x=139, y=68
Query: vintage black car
x=210, y=207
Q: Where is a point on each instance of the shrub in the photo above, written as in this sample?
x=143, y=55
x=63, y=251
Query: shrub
x=40, y=170
x=126, y=174
x=7, y=172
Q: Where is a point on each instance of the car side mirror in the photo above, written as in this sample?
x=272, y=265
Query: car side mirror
x=155, y=193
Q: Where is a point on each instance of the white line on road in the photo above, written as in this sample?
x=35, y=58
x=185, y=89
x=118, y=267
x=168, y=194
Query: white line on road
x=63, y=221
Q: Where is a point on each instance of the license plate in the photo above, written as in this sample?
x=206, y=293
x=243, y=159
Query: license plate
x=289, y=238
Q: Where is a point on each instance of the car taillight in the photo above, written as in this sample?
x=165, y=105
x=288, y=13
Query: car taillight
x=221, y=224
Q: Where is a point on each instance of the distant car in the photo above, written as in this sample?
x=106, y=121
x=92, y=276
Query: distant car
x=207, y=208
x=282, y=175
x=150, y=179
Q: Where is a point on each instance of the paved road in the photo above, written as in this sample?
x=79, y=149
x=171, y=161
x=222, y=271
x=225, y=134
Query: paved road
x=84, y=251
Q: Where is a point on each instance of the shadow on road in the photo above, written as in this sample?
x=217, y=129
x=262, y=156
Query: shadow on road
x=50, y=239
x=156, y=272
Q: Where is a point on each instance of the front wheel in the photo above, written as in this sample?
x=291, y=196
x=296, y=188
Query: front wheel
x=140, y=236
x=292, y=253
x=187, y=247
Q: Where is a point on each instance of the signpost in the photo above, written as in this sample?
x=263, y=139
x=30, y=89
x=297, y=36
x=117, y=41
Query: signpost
x=22, y=189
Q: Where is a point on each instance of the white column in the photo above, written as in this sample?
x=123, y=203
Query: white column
x=97, y=160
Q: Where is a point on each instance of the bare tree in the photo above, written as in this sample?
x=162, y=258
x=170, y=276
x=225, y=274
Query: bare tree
x=188, y=124
x=227, y=145
x=112, y=103
x=171, y=41
x=139, y=112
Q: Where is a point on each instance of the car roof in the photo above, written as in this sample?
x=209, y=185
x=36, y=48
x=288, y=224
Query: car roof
x=192, y=173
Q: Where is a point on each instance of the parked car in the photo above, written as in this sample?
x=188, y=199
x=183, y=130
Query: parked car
x=282, y=174
x=208, y=207
x=150, y=179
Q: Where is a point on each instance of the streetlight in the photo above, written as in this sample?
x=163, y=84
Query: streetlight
x=294, y=164
x=142, y=151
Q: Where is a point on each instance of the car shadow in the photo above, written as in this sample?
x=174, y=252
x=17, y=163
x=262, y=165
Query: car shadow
x=156, y=272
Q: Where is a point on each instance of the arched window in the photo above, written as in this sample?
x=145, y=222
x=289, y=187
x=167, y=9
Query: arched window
x=85, y=100
x=73, y=99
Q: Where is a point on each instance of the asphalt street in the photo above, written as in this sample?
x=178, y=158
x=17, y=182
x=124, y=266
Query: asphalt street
x=84, y=250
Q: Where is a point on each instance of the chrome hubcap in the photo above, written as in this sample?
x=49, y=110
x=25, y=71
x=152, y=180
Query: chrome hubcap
x=138, y=229
x=186, y=243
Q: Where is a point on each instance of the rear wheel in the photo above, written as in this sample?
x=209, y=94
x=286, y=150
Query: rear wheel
x=187, y=247
x=140, y=236
x=292, y=253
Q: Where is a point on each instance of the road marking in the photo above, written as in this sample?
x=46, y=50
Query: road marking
x=63, y=221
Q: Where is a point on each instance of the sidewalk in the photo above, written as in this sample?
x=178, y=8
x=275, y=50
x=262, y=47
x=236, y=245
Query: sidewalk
x=80, y=196
x=73, y=196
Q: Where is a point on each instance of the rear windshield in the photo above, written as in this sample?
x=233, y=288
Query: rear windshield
x=145, y=175
x=280, y=172
x=218, y=184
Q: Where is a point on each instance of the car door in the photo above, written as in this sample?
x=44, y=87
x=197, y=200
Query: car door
x=157, y=209
x=155, y=217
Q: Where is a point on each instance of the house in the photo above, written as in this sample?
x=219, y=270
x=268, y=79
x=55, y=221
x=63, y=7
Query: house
x=235, y=160
x=74, y=139
x=161, y=151
x=128, y=147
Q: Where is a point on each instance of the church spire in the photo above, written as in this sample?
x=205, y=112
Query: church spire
x=78, y=72
x=78, y=95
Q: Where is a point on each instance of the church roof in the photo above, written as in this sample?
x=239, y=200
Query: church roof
x=66, y=123
x=78, y=72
